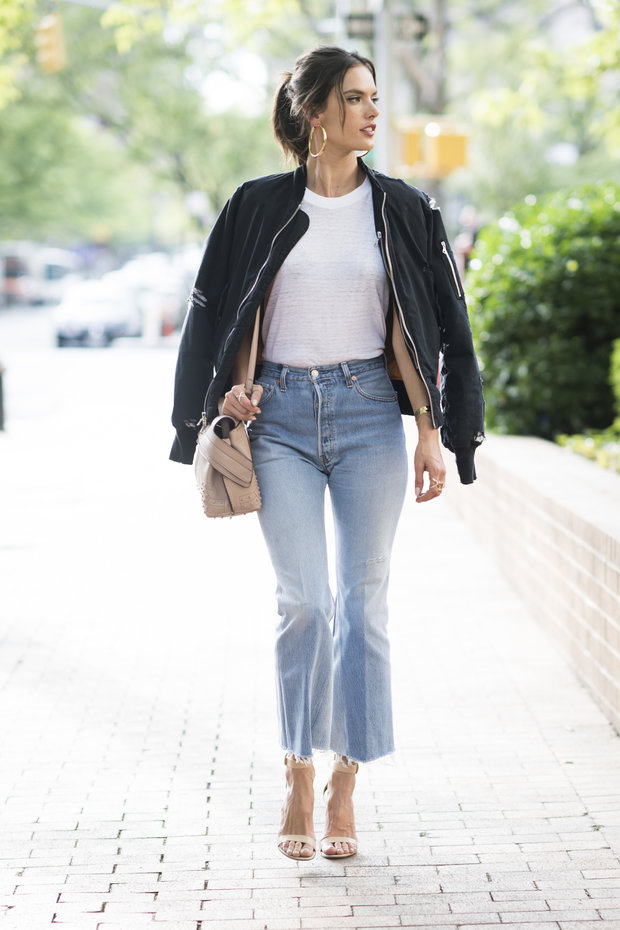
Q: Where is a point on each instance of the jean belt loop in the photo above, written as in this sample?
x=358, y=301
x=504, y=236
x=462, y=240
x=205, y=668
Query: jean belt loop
x=347, y=374
x=283, y=377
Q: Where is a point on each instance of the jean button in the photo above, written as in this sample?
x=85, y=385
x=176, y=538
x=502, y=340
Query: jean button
x=314, y=373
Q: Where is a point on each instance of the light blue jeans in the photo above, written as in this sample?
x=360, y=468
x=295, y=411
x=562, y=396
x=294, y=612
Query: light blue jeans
x=340, y=427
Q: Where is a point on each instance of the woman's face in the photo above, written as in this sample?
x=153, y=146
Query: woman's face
x=357, y=133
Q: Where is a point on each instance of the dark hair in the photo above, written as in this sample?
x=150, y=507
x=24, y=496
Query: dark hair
x=304, y=92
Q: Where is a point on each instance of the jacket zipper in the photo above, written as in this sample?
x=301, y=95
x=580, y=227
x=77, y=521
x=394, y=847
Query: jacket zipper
x=262, y=267
x=260, y=271
x=444, y=249
x=401, y=317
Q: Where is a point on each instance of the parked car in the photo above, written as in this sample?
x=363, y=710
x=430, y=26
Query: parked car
x=94, y=313
x=160, y=288
x=34, y=274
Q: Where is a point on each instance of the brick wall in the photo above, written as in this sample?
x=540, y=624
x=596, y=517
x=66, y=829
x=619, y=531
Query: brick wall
x=552, y=520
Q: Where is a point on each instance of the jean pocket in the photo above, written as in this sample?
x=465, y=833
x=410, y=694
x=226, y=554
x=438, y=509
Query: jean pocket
x=375, y=384
x=268, y=392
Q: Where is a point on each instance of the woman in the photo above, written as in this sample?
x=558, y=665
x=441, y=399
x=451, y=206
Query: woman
x=360, y=298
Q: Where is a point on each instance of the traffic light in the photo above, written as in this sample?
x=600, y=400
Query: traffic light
x=431, y=146
x=50, y=44
x=446, y=148
x=411, y=132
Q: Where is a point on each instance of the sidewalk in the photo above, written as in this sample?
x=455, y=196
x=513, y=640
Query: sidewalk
x=140, y=774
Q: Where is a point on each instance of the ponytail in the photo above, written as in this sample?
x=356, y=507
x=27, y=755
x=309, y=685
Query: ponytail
x=291, y=131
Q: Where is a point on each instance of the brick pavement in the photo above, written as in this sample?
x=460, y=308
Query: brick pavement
x=140, y=772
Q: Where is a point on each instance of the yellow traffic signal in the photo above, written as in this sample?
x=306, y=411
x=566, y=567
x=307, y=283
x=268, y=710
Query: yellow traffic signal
x=410, y=133
x=446, y=149
x=431, y=146
x=411, y=145
x=50, y=44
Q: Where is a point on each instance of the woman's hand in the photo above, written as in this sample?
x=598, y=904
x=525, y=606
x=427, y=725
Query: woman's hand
x=237, y=403
x=428, y=459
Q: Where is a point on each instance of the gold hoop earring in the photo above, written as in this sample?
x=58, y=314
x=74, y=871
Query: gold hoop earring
x=312, y=154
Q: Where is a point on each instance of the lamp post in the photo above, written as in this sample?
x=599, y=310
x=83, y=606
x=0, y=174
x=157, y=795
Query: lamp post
x=381, y=23
x=384, y=58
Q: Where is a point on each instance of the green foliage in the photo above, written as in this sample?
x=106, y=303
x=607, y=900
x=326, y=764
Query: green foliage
x=544, y=294
x=111, y=146
x=66, y=180
x=602, y=446
x=614, y=376
x=14, y=17
x=542, y=102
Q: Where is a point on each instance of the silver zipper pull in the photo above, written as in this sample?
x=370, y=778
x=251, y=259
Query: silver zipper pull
x=444, y=249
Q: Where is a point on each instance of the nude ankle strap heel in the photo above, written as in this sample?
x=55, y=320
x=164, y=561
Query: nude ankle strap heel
x=351, y=769
x=291, y=762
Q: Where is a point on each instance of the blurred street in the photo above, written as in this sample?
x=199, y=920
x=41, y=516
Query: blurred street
x=140, y=773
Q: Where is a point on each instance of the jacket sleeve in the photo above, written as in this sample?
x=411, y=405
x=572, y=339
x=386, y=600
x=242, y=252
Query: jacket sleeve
x=461, y=386
x=198, y=346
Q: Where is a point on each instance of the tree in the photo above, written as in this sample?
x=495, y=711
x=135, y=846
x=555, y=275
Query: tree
x=542, y=103
x=64, y=180
x=14, y=18
x=116, y=142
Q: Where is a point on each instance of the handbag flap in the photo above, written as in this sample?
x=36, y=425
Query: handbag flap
x=231, y=457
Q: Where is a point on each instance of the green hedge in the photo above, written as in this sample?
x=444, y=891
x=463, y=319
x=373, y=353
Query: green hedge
x=544, y=297
x=614, y=376
x=602, y=446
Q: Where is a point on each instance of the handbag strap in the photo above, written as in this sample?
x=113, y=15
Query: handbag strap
x=249, y=378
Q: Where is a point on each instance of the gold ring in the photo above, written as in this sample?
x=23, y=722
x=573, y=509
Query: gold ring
x=436, y=483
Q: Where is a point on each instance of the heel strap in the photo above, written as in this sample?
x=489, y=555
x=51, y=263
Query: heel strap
x=351, y=769
x=291, y=763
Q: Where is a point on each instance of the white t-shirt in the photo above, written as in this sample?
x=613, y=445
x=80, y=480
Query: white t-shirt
x=329, y=299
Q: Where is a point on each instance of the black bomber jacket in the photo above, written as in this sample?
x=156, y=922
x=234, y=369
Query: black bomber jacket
x=257, y=229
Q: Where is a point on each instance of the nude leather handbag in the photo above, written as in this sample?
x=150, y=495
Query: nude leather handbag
x=223, y=459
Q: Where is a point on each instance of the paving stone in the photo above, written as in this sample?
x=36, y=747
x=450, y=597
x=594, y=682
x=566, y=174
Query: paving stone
x=371, y=922
x=443, y=920
x=251, y=924
x=76, y=911
x=411, y=922
x=589, y=925
x=34, y=895
x=137, y=921
x=566, y=893
x=175, y=924
x=534, y=925
x=87, y=884
x=241, y=907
